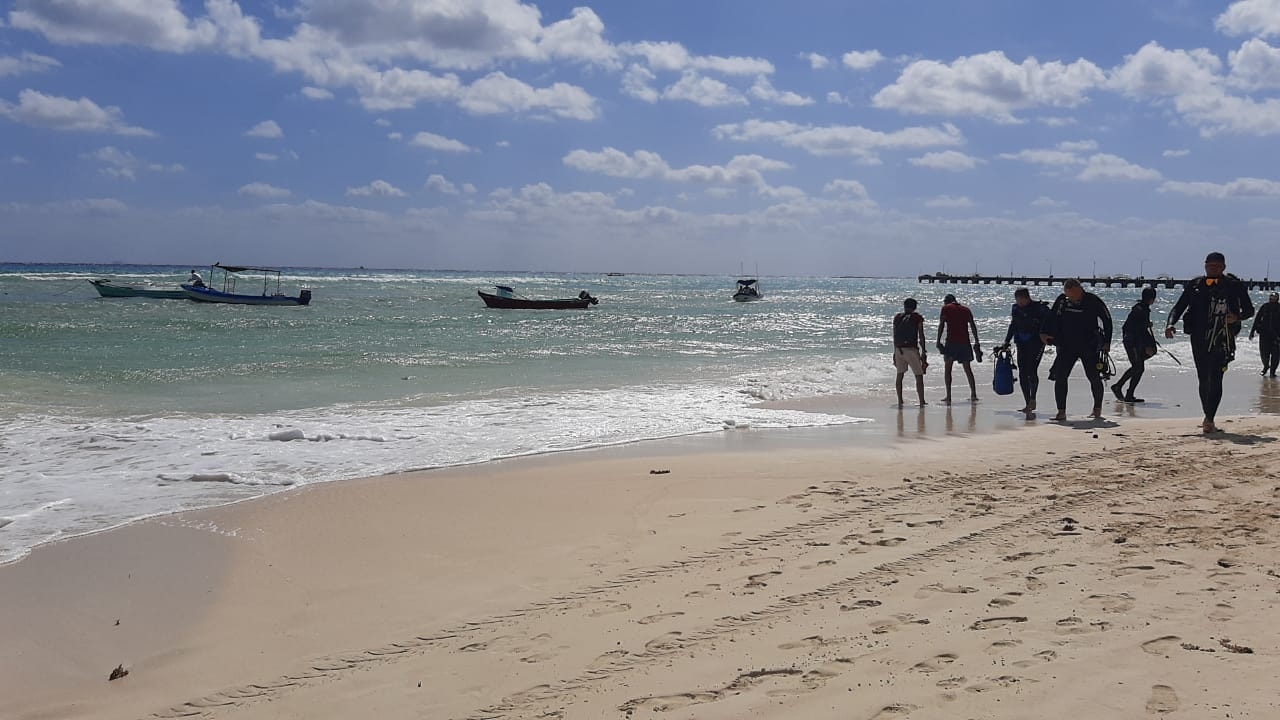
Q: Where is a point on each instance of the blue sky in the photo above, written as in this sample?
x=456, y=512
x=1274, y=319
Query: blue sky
x=874, y=137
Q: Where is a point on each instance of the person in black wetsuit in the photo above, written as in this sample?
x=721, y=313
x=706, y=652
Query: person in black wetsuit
x=1080, y=326
x=1214, y=304
x=1027, y=321
x=1267, y=326
x=1139, y=344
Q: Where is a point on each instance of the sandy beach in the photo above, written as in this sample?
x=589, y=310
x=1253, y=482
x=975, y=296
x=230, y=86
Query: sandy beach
x=1112, y=570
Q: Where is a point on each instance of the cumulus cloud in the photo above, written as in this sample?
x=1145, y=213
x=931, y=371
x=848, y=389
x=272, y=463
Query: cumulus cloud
x=949, y=201
x=637, y=82
x=858, y=142
x=315, y=93
x=1255, y=66
x=1250, y=17
x=59, y=113
x=124, y=165
x=862, y=60
x=989, y=85
x=19, y=160
x=1103, y=166
x=952, y=160
x=836, y=98
x=267, y=129
x=1176, y=153
x=432, y=141
x=497, y=93
x=1048, y=202
x=27, y=62
x=266, y=157
x=263, y=190
x=1065, y=153
x=816, y=61
x=155, y=24
x=438, y=183
x=1078, y=145
x=741, y=170
x=381, y=188
x=704, y=91
x=1240, y=188
x=764, y=90
x=673, y=57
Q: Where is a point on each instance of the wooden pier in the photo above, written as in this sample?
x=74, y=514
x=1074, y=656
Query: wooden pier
x=1121, y=281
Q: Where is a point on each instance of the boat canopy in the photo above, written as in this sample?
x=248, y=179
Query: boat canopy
x=748, y=281
x=238, y=268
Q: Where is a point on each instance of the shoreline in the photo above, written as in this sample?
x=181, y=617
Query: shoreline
x=471, y=566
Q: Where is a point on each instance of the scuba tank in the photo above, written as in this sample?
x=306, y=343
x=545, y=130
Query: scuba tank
x=1002, y=381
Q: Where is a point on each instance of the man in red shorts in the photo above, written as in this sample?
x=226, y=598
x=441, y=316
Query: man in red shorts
x=957, y=321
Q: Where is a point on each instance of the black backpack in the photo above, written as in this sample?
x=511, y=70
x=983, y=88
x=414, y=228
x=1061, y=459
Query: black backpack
x=904, y=329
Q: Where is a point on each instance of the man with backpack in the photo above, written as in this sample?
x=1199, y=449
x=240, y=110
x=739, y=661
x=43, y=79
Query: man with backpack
x=1027, y=320
x=1266, y=325
x=1080, y=327
x=909, y=347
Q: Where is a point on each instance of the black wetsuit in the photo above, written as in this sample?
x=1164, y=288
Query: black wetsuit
x=1025, y=326
x=1079, y=332
x=1139, y=344
x=1267, y=327
x=1213, y=341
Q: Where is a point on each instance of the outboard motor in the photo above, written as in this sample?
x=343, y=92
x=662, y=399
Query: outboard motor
x=304, y=297
x=584, y=295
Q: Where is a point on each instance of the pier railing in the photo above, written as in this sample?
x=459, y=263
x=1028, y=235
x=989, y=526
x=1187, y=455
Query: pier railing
x=1121, y=281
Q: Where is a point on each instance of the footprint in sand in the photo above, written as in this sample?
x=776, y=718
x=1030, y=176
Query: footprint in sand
x=951, y=683
x=896, y=710
x=1000, y=646
x=1034, y=583
x=667, y=703
x=749, y=562
x=1077, y=626
x=1163, y=700
x=703, y=593
x=758, y=580
x=937, y=522
x=1131, y=569
x=935, y=663
x=880, y=627
x=667, y=641
x=957, y=589
x=997, y=622
x=1039, y=658
x=750, y=509
x=1222, y=612
x=884, y=542
x=861, y=605
x=1004, y=600
x=1027, y=555
x=609, y=609
x=1162, y=645
x=606, y=659
x=650, y=619
x=1122, y=602
x=809, y=642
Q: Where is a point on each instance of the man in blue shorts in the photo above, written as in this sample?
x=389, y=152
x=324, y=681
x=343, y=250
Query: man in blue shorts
x=956, y=322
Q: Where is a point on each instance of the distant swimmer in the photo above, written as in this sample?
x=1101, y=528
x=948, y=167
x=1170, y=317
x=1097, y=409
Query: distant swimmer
x=195, y=280
x=1027, y=320
x=1267, y=327
x=957, y=322
x=909, y=347
x=1214, y=305
x=1080, y=327
x=1139, y=344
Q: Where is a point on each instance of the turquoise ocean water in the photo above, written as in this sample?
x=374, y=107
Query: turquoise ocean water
x=115, y=409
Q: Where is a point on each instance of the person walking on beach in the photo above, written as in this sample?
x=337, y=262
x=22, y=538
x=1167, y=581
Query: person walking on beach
x=1080, y=327
x=1027, y=321
x=1266, y=325
x=1139, y=344
x=1214, y=305
x=957, y=321
x=909, y=347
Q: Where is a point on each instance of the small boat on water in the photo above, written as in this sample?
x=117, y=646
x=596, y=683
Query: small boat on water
x=506, y=298
x=108, y=289
x=269, y=296
x=748, y=290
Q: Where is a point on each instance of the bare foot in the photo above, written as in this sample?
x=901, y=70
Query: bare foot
x=974, y=399
x=1024, y=408
x=1031, y=415
x=946, y=400
x=1208, y=427
x=1096, y=414
x=1060, y=417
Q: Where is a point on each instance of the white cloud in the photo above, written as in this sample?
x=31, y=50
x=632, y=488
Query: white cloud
x=989, y=85
x=1176, y=153
x=266, y=129
x=439, y=184
x=859, y=142
x=1240, y=188
x=1250, y=17
x=704, y=91
x=19, y=160
x=673, y=57
x=1078, y=145
x=836, y=98
x=637, y=83
x=155, y=24
x=850, y=194
x=1110, y=167
x=816, y=61
x=1193, y=80
x=395, y=136
x=382, y=122
x=266, y=157
x=503, y=144
x=468, y=188
x=741, y=170
x=381, y=188
x=952, y=160
x=1064, y=154
x=263, y=190
x=1054, y=121
x=1255, y=66
x=949, y=201
x=497, y=93
x=764, y=90
x=432, y=141
x=59, y=113
x=1048, y=202
x=27, y=62
x=315, y=93
x=862, y=60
